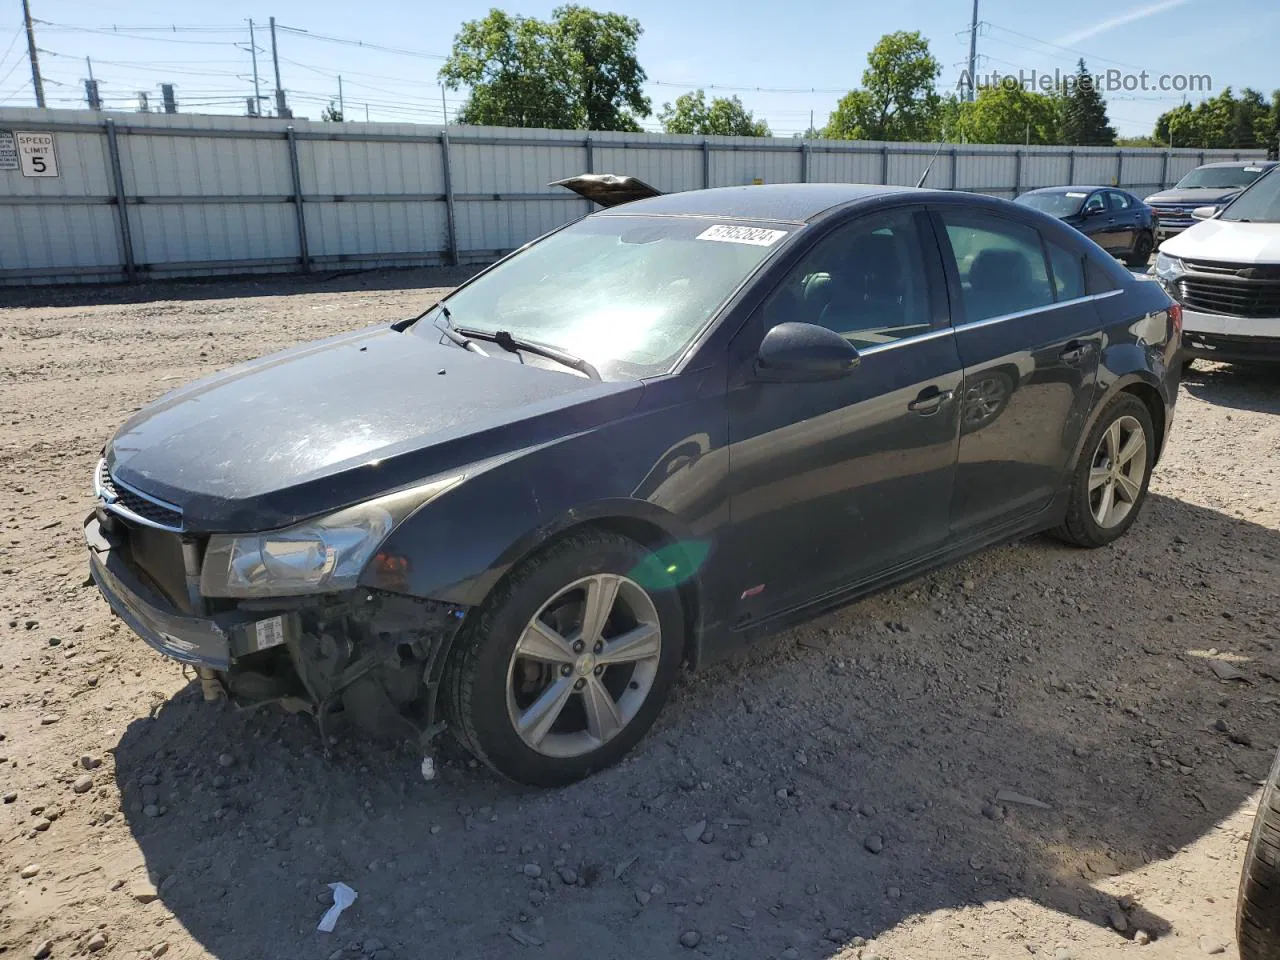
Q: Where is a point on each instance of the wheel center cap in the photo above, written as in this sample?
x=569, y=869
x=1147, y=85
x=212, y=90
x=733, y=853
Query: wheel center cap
x=586, y=663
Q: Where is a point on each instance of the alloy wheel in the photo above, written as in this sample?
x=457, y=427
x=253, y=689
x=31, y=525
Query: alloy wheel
x=1118, y=471
x=583, y=666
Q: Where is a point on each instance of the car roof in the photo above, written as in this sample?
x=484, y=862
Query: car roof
x=1238, y=163
x=786, y=202
x=1084, y=189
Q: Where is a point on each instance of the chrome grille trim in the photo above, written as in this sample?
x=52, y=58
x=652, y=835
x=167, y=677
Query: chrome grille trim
x=132, y=504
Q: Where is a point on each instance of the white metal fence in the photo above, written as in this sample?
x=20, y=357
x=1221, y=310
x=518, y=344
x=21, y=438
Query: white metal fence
x=132, y=196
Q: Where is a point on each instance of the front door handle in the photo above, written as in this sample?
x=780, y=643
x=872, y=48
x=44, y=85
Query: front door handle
x=930, y=401
x=1076, y=352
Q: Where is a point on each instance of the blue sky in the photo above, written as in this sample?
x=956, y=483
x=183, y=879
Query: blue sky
x=782, y=60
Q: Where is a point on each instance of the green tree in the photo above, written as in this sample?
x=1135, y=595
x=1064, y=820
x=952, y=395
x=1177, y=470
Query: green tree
x=1084, y=113
x=331, y=113
x=722, y=117
x=897, y=100
x=577, y=71
x=1223, y=122
x=1012, y=114
x=599, y=54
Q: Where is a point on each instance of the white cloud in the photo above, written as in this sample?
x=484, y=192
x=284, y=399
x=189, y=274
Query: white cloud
x=1129, y=16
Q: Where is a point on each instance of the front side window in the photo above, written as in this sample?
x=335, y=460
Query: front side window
x=1000, y=263
x=866, y=281
x=1119, y=201
x=627, y=293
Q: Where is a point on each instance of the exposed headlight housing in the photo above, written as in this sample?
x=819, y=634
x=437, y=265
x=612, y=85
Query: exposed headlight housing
x=321, y=555
x=1168, y=268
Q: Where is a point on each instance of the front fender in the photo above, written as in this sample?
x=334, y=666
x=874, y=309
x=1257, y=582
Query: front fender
x=627, y=473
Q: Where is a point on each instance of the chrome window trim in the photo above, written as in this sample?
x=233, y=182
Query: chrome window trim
x=975, y=324
x=918, y=338
x=115, y=507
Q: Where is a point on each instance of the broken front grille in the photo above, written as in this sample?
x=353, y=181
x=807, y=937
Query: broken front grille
x=133, y=505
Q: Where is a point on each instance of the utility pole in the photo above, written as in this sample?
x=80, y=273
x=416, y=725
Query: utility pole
x=91, y=88
x=257, y=94
x=282, y=108
x=342, y=106
x=36, y=82
x=170, y=101
x=366, y=113
x=444, y=105
x=973, y=53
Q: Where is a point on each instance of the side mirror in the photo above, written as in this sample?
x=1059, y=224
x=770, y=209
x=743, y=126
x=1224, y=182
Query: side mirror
x=1204, y=213
x=804, y=353
x=1094, y=211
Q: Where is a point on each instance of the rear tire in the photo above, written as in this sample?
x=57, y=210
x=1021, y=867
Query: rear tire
x=1258, y=903
x=529, y=654
x=1142, y=247
x=1109, y=462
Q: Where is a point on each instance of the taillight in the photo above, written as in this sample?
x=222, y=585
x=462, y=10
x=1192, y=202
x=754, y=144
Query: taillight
x=1175, y=317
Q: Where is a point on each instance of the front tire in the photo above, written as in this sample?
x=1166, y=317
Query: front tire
x=1109, y=482
x=569, y=660
x=1258, y=903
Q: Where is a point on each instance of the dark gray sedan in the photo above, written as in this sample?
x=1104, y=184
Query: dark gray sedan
x=640, y=442
x=1114, y=219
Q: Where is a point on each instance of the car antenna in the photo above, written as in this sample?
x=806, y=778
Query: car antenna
x=925, y=176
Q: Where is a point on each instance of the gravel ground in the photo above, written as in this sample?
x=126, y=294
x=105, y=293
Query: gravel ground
x=1031, y=752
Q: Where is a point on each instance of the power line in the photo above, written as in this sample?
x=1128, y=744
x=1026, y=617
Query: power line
x=400, y=51
x=1027, y=36
x=107, y=32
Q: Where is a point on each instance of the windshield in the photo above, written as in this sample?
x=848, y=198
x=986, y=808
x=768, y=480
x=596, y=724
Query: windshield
x=1219, y=178
x=1259, y=204
x=626, y=293
x=1056, y=204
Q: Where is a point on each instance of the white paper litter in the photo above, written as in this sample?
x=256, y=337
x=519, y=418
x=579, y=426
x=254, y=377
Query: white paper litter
x=343, y=897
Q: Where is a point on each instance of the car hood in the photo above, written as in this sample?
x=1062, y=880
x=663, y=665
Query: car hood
x=330, y=423
x=1227, y=241
x=1196, y=196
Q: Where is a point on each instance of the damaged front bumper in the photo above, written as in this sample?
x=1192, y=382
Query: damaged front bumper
x=375, y=655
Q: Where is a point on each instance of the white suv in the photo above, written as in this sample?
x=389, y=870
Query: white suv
x=1225, y=271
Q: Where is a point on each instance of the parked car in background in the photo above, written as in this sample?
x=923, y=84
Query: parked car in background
x=1225, y=271
x=1214, y=184
x=1115, y=219
x=650, y=436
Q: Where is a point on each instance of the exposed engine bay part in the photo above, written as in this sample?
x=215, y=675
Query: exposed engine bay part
x=608, y=189
x=376, y=657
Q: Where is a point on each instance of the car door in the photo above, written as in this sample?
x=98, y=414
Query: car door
x=1123, y=220
x=1095, y=222
x=835, y=482
x=1029, y=341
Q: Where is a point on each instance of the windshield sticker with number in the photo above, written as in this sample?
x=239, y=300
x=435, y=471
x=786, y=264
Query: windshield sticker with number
x=756, y=236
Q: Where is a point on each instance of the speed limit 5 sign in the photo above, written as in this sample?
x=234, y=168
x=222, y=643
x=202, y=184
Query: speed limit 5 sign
x=36, y=154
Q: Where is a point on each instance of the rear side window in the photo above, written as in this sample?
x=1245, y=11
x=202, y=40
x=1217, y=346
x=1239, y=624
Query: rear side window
x=1068, y=271
x=1097, y=280
x=1001, y=265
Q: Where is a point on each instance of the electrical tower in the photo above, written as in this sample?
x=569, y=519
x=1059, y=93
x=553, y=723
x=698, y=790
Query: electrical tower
x=170, y=101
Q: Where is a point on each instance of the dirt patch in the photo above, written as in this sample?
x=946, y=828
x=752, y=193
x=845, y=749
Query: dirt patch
x=1029, y=752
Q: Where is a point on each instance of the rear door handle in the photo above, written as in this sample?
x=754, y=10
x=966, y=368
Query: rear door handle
x=1076, y=352
x=929, y=401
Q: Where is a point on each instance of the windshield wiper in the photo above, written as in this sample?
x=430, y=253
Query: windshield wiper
x=513, y=344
